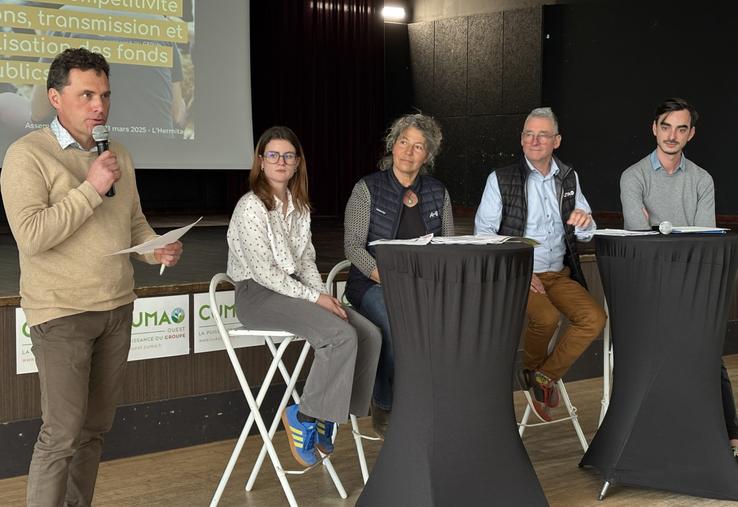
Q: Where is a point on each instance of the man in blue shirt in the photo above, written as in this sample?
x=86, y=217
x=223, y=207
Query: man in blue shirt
x=540, y=198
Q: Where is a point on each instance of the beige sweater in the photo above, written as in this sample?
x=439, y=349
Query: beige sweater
x=65, y=229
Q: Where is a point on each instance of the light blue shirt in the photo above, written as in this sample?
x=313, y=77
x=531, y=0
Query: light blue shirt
x=656, y=163
x=544, y=217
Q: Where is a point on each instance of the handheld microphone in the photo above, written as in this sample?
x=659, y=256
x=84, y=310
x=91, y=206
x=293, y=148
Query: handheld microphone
x=100, y=135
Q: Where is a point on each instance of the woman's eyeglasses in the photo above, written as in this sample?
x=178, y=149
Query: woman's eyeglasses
x=289, y=157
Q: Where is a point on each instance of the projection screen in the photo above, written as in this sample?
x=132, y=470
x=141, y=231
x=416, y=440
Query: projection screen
x=180, y=74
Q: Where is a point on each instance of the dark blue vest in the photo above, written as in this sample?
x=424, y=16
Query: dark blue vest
x=385, y=213
x=512, y=182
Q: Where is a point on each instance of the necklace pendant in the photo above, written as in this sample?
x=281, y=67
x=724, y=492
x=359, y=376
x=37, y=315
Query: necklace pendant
x=409, y=198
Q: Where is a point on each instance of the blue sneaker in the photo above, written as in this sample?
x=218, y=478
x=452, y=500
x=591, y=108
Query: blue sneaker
x=301, y=436
x=324, y=436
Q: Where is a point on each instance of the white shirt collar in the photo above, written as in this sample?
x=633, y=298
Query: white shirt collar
x=64, y=138
x=554, y=168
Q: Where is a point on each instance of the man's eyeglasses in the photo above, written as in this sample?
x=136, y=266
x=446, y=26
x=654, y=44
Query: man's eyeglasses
x=289, y=157
x=541, y=137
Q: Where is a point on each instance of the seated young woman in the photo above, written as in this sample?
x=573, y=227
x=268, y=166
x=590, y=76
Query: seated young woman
x=271, y=258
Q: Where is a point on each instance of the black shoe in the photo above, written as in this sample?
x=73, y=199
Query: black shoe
x=523, y=377
x=380, y=420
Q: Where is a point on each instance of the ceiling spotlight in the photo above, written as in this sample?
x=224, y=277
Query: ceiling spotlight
x=393, y=13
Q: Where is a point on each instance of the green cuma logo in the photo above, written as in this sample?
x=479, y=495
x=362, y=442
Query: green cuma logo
x=161, y=318
x=178, y=315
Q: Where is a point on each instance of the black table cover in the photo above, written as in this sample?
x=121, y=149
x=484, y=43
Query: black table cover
x=456, y=313
x=669, y=299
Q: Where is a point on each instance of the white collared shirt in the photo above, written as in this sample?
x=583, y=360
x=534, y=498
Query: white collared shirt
x=65, y=138
x=269, y=246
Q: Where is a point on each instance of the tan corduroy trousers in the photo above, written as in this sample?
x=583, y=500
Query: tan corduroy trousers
x=587, y=319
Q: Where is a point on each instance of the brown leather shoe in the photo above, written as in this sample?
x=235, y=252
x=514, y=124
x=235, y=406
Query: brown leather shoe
x=380, y=420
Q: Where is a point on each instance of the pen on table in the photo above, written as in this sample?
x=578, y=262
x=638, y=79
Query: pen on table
x=161, y=269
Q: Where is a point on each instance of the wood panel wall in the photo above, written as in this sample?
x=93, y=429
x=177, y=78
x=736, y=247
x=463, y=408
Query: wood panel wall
x=174, y=377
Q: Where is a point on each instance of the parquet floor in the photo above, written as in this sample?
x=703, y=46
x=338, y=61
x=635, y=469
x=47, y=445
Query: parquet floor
x=188, y=477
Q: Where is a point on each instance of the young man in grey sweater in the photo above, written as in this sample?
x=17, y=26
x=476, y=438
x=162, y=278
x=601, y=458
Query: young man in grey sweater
x=665, y=186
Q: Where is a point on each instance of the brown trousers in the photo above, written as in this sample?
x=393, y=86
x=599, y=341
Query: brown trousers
x=587, y=319
x=81, y=362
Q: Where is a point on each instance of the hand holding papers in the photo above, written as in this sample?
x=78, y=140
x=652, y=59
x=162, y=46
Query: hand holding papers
x=159, y=242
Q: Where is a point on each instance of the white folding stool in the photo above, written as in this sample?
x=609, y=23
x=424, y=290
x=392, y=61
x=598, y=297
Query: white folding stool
x=358, y=436
x=571, y=409
x=607, y=364
x=270, y=338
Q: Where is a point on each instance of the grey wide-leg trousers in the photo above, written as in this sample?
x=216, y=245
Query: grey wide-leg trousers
x=341, y=378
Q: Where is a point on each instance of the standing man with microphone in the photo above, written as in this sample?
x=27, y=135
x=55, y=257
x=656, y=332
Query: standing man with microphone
x=78, y=301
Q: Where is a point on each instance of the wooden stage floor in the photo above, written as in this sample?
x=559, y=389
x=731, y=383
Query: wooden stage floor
x=189, y=476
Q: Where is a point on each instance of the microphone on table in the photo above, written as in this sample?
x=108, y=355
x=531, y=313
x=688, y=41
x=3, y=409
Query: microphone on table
x=100, y=135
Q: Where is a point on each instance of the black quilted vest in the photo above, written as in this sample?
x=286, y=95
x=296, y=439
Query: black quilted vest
x=385, y=213
x=512, y=182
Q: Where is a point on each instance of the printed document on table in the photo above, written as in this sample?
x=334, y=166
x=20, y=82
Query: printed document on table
x=681, y=229
x=422, y=240
x=163, y=240
x=622, y=232
x=480, y=239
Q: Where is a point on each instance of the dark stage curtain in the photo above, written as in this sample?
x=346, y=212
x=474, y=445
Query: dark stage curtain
x=317, y=67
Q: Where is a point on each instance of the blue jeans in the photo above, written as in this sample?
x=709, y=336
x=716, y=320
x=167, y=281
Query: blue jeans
x=373, y=308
